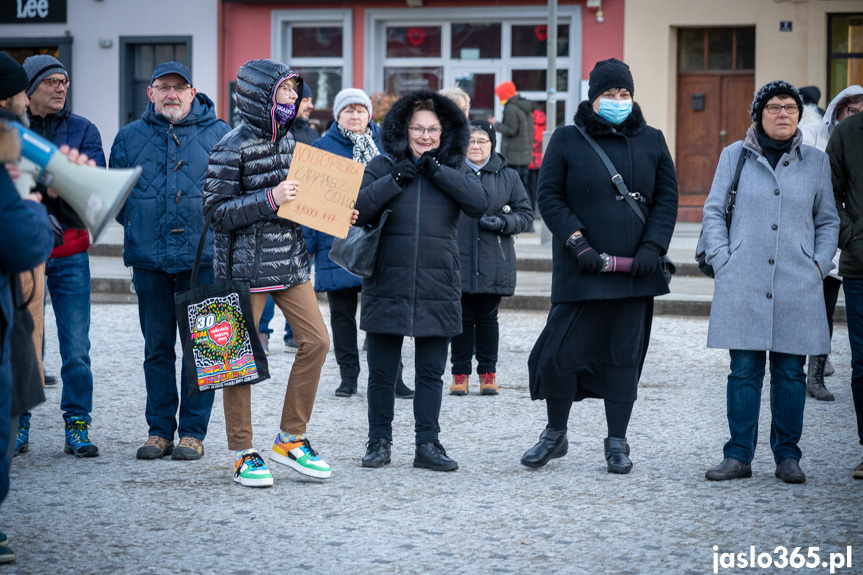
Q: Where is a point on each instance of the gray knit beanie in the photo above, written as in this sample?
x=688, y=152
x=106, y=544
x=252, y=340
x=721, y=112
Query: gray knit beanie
x=350, y=96
x=40, y=67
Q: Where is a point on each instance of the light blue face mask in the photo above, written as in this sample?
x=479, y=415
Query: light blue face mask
x=615, y=111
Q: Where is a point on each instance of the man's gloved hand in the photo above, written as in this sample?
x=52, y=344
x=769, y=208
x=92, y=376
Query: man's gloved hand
x=494, y=224
x=587, y=258
x=403, y=172
x=428, y=164
x=645, y=261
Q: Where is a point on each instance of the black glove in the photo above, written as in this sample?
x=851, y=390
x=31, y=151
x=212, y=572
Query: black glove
x=645, y=261
x=428, y=164
x=494, y=224
x=404, y=171
x=587, y=258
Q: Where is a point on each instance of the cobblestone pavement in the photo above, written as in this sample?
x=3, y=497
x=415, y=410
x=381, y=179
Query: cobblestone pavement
x=115, y=514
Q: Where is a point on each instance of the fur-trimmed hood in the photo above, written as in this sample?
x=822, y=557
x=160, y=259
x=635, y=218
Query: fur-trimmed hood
x=454, y=137
x=10, y=142
x=596, y=125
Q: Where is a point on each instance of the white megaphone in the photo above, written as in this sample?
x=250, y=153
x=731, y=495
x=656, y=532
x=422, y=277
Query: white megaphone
x=96, y=194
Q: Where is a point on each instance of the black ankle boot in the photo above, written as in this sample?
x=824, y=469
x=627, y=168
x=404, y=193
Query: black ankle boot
x=617, y=455
x=378, y=452
x=815, y=379
x=552, y=444
x=403, y=391
x=347, y=388
x=433, y=456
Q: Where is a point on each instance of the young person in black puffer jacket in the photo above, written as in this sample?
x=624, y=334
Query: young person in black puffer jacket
x=415, y=290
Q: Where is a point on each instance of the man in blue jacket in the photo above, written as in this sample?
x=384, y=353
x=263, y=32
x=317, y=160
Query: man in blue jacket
x=68, y=270
x=163, y=222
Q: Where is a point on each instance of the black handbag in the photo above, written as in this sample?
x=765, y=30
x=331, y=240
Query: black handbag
x=700, y=250
x=219, y=334
x=668, y=267
x=358, y=253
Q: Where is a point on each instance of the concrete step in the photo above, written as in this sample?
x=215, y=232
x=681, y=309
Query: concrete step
x=691, y=292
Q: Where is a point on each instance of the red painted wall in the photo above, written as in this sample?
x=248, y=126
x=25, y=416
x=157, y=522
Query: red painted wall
x=245, y=33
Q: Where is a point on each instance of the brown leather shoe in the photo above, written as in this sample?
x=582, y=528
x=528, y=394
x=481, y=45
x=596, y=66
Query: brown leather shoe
x=155, y=448
x=487, y=384
x=459, y=385
x=858, y=471
x=189, y=449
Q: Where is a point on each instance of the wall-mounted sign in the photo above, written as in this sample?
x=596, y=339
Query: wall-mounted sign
x=785, y=26
x=32, y=11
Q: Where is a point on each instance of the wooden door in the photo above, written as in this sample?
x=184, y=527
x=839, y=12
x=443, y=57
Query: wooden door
x=712, y=112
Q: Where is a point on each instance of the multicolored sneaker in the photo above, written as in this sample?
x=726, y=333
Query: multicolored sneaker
x=77, y=438
x=251, y=471
x=299, y=456
x=22, y=440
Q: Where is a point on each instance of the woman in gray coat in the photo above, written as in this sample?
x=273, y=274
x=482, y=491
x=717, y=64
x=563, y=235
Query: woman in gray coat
x=769, y=267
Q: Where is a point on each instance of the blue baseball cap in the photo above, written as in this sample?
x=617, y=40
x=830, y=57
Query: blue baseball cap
x=171, y=68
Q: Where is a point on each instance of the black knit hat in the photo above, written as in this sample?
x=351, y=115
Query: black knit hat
x=767, y=91
x=13, y=78
x=608, y=74
x=485, y=127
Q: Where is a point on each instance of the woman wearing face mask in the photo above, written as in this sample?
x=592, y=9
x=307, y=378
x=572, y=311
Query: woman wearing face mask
x=768, y=301
x=598, y=329
x=246, y=184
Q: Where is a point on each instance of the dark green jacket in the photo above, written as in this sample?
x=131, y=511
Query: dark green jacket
x=517, y=131
x=845, y=149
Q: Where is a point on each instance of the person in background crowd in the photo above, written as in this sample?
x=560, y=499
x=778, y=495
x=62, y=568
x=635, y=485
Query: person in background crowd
x=812, y=113
x=353, y=135
x=303, y=132
x=845, y=150
x=68, y=270
x=770, y=266
x=517, y=131
x=598, y=330
x=539, y=123
x=246, y=184
x=487, y=261
x=412, y=293
x=460, y=97
x=27, y=239
x=847, y=103
x=163, y=222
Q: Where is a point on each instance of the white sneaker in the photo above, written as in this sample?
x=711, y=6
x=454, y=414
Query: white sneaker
x=251, y=471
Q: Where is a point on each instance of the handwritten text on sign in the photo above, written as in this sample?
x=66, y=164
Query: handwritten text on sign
x=329, y=185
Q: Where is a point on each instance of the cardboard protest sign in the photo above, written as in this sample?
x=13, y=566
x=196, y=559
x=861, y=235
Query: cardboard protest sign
x=329, y=185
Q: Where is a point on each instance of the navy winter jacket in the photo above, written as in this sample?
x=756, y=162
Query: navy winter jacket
x=329, y=276
x=163, y=217
x=71, y=129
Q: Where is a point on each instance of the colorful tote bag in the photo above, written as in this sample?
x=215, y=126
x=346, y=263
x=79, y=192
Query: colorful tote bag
x=220, y=340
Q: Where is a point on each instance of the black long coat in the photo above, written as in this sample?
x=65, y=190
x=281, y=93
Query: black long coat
x=575, y=192
x=416, y=290
x=487, y=258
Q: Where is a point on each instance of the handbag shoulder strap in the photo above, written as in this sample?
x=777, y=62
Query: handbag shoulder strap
x=193, y=281
x=732, y=192
x=616, y=178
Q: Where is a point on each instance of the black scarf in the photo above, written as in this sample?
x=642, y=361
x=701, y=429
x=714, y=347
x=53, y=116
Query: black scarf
x=773, y=149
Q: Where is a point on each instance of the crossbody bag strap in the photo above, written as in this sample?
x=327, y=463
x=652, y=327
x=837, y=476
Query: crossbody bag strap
x=194, y=279
x=732, y=192
x=616, y=178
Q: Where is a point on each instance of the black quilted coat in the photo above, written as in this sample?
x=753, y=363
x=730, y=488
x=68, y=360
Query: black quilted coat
x=416, y=288
x=244, y=167
x=488, y=258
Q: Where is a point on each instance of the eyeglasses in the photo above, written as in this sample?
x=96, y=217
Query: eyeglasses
x=163, y=89
x=852, y=111
x=287, y=88
x=478, y=142
x=790, y=109
x=54, y=82
x=418, y=131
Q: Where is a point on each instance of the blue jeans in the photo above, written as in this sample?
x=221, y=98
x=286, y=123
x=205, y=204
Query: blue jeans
x=267, y=316
x=384, y=358
x=156, y=291
x=69, y=286
x=787, y=399
x=854, y=311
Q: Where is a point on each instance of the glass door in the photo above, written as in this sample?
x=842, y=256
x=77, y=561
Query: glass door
x=479, y=83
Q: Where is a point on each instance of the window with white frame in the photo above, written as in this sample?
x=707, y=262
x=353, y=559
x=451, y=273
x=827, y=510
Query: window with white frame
x=315, y=44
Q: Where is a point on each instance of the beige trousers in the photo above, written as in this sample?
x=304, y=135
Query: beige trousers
x=35, y=284
x=300, y=307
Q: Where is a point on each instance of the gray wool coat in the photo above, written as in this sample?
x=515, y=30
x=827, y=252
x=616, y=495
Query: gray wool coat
x=768, y=291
